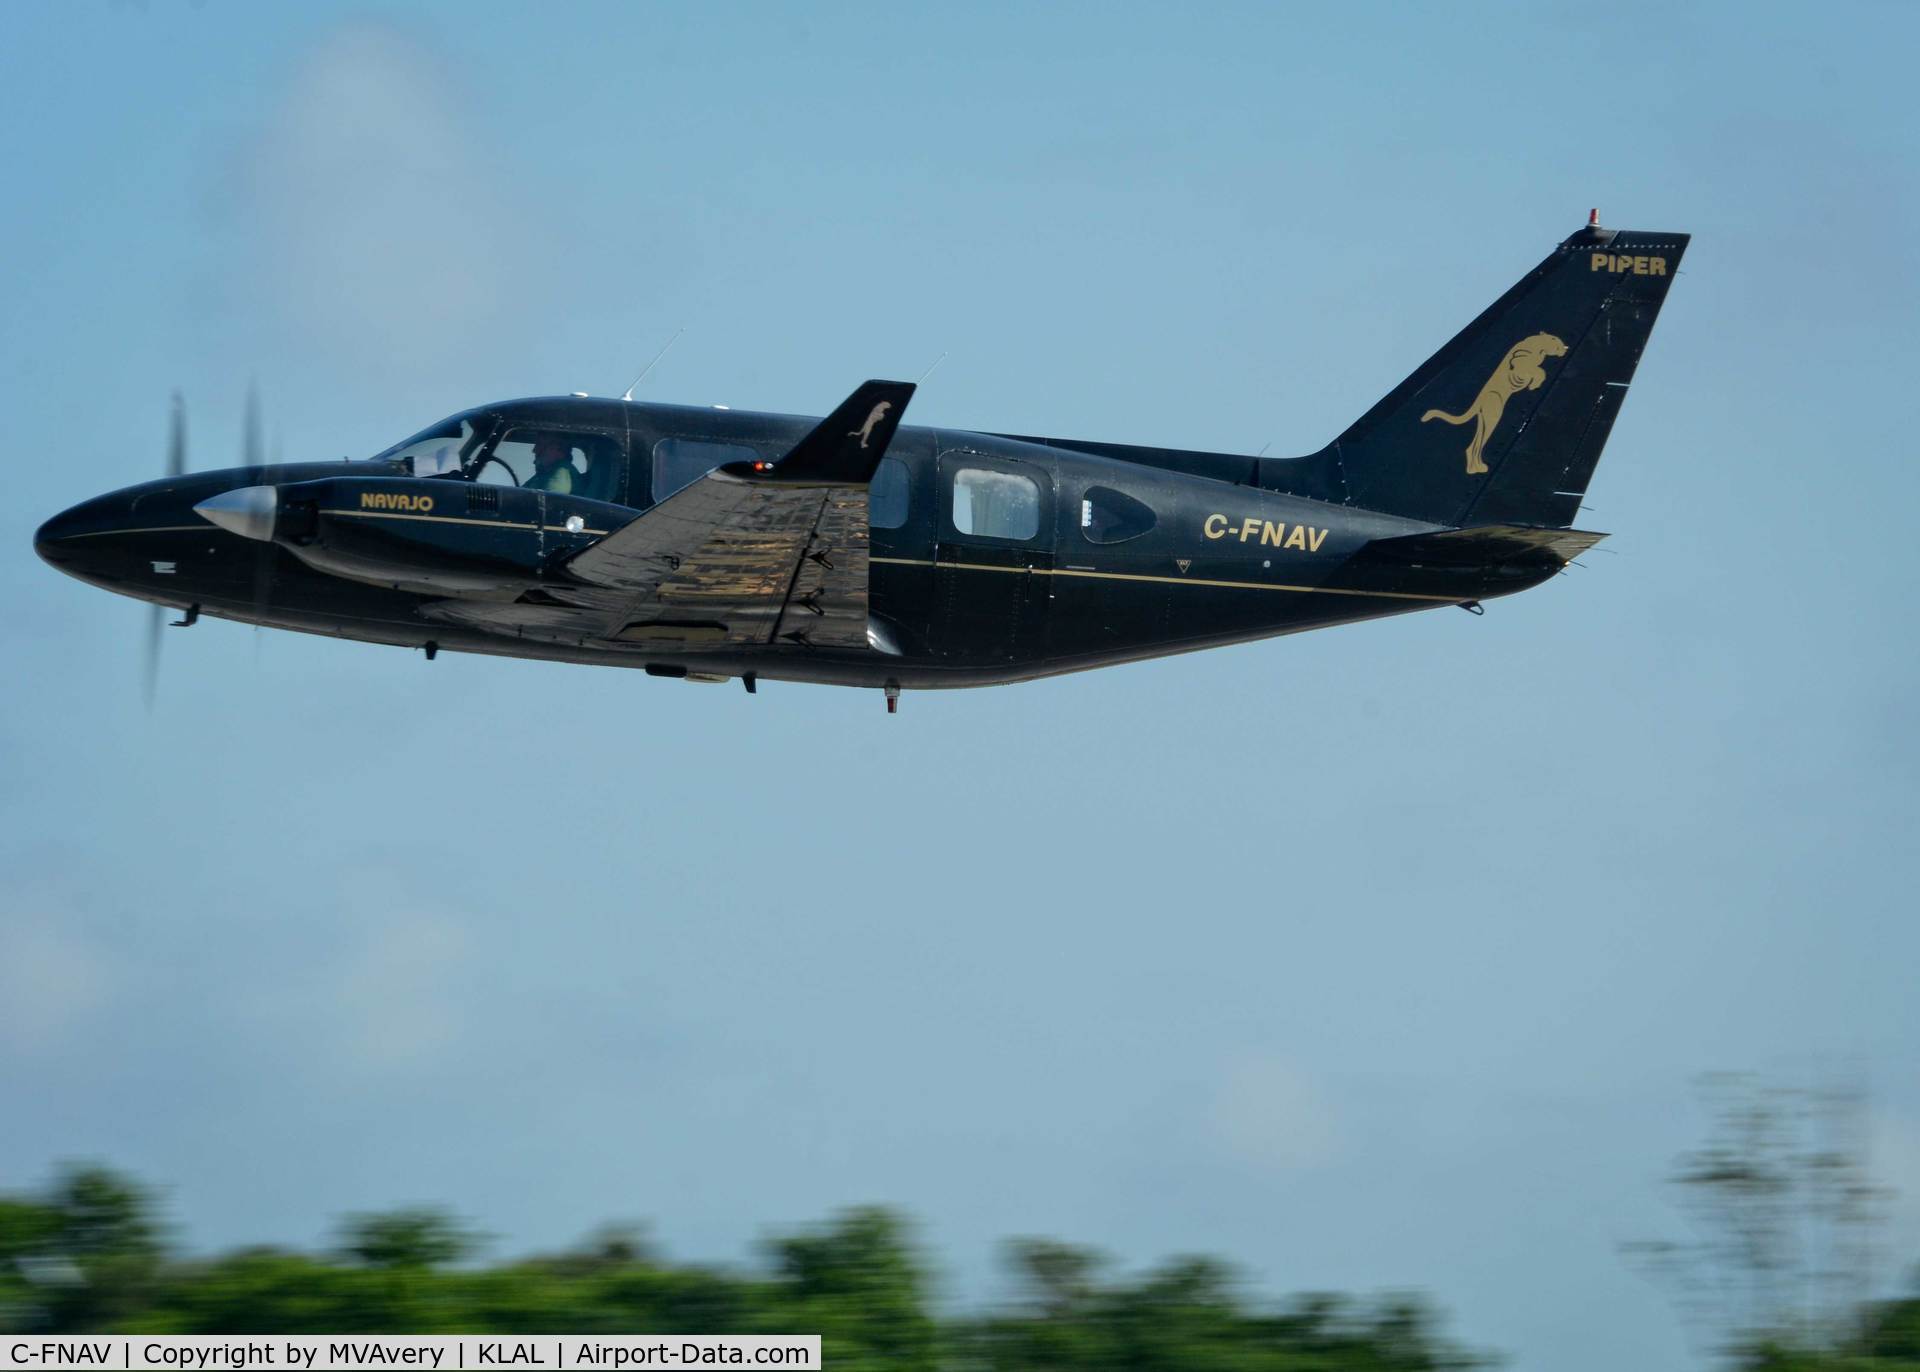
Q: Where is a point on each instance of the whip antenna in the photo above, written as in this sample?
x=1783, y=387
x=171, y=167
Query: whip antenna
x=651, y=365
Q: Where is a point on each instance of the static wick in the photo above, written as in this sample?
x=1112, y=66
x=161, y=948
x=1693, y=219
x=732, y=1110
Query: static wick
x=628, y=395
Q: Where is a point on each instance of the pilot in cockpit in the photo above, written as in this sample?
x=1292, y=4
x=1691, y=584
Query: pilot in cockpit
x=552, y=466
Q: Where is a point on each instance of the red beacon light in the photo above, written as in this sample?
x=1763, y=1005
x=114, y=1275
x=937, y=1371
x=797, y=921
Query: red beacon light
x=1593, y=219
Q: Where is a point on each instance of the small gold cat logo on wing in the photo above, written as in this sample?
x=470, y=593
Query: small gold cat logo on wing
x=1518, y=371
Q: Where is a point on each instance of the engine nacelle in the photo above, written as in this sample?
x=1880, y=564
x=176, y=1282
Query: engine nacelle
x=435, y=535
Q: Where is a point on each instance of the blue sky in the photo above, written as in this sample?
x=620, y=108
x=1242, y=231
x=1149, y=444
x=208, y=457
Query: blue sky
x=1380, y=957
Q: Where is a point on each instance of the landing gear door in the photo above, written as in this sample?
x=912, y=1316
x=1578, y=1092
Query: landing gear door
x=992, y=558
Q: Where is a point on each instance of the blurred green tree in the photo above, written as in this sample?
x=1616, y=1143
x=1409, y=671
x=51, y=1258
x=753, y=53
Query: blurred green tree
x=1190, y=1315
x=860, y=1278
x=1778, y=1272
x=80, y=1257
x=88, y=1254
x=401, y=1239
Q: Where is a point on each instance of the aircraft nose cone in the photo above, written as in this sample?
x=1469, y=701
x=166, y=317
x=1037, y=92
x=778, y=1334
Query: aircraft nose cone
x=58, y=540
x=49, y=537
x=249, y=511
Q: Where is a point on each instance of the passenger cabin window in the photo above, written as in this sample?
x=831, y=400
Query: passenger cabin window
x=557, y=461
x=887, y=496
x=993, y=504
x=1110, y=516
x=679, y=462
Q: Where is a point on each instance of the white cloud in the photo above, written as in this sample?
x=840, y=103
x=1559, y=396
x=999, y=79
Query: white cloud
x=399, y=1001
x=52, y=979
x=1270, y=1113
x=373, y=217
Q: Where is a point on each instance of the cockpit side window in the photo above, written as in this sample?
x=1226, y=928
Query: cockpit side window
x=558, y=461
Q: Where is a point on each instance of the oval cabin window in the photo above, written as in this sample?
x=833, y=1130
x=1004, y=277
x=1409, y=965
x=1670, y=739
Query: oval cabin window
x=1110, y=516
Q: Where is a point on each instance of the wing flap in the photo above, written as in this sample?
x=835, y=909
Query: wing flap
x=827, y=606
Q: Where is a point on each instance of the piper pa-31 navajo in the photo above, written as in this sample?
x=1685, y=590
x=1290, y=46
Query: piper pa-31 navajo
x=855, y=550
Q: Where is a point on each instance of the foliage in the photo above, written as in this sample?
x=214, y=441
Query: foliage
x=86, y=1255
x=403, y=1240
x=1190, y=1316
x=1779, y=1267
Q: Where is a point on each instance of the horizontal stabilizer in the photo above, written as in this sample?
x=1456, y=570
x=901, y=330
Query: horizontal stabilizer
x=1481, y=546
x=845, y=448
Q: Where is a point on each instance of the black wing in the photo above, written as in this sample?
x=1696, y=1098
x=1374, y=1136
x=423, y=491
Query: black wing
x=750, y=554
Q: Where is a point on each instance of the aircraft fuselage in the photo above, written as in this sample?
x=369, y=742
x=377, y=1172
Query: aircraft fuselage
x=715, y=543
x=1196, y=560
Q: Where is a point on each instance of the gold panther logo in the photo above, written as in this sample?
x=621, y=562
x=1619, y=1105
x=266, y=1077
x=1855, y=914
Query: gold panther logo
x=874, y=416
x=1518, y=371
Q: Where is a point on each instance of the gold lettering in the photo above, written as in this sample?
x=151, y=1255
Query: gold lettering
x=1638, y=266
x=1271, y=532
x=387, y=500
x=1249, y=529
x=1316, y=537
x=1298, y=538
x=1215, y=527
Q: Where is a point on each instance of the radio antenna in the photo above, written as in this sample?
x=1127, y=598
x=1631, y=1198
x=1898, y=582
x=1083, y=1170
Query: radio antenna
x=929, y=371
x=651, y=365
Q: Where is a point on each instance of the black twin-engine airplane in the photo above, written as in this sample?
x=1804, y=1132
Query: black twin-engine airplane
x=708, y=544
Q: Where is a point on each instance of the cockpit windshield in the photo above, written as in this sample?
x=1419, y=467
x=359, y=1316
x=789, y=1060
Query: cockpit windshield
x=438, y=451
x=487, y=447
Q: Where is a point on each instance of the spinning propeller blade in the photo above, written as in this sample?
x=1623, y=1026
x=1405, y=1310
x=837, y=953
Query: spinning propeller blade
x=251, y=448
x=177, y=438
x=253, y=455
x=156, y=614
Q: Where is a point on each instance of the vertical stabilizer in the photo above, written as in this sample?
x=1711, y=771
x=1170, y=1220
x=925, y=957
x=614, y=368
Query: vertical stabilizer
x=1506, y=422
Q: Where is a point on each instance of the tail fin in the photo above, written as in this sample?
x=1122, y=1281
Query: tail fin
x=1505, y=424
